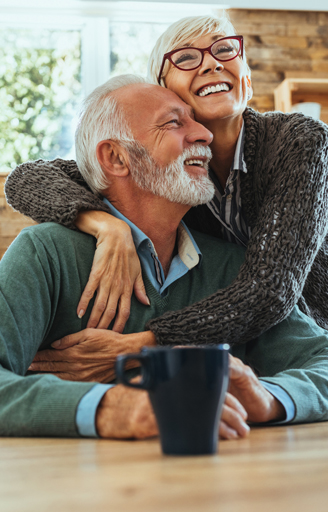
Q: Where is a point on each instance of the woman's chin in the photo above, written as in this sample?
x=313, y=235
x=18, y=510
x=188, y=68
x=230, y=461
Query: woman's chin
x=219, y=106
x=217, y=113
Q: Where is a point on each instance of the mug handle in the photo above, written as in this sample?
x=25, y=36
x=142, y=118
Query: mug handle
x=145, y=367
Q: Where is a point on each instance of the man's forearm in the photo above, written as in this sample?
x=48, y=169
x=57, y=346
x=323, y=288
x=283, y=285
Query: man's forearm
x=87, y=410
x=40, y=405
x=284, y=398
x=308, y=388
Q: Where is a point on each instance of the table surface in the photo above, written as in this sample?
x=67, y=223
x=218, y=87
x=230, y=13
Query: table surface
x=275, y=469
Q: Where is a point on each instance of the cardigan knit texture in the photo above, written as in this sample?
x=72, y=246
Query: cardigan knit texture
x=41, y=278
x=284, y=196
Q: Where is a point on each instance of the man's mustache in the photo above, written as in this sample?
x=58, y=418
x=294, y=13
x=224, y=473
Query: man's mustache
x=196, y=150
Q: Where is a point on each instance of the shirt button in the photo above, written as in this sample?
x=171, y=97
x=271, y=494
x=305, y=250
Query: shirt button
x=229, y=196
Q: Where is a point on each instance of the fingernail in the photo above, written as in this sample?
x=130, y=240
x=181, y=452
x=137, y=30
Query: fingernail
x=246, y=429
x=81, y=313
x=31, y=367
x=148, y=301
x=56, y=344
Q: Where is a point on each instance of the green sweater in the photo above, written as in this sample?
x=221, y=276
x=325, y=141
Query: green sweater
x=42, y=276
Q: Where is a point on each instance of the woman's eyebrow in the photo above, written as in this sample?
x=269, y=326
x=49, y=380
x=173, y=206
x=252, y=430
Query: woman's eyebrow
x=213, y=38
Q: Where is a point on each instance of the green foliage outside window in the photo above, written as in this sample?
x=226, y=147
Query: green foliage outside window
x=40, y=85
x=39, y=92
x=131, y=45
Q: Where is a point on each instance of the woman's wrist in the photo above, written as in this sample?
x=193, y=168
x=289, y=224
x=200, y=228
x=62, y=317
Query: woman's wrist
x=98, y=223
x=136, y=341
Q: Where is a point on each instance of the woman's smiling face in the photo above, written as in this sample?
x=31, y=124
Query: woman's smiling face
x=233, y=86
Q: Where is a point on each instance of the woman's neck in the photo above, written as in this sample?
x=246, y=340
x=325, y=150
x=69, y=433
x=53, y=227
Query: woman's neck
x=226, y=133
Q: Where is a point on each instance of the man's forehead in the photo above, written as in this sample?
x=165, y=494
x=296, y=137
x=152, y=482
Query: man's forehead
x=151, y=101
x=171, y=109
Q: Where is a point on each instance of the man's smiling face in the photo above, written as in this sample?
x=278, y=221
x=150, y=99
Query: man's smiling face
x=164, y=125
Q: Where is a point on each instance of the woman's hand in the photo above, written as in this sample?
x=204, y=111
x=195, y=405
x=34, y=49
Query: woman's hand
x=115, y=274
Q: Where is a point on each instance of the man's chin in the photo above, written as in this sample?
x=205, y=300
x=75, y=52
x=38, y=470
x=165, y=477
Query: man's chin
x=201, y=200
x=197, y=194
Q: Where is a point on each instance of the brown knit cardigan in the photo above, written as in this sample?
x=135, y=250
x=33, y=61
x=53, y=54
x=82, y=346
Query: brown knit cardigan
x=284, y=196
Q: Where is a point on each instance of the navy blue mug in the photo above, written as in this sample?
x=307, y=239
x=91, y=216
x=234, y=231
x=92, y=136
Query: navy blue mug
x=186, y=387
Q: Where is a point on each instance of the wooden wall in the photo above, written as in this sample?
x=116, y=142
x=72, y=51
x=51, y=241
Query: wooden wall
x=11, y=222
x=279, y=45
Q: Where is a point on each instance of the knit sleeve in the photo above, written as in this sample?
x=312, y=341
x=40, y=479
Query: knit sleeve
x=51, y=191
x=291, y=225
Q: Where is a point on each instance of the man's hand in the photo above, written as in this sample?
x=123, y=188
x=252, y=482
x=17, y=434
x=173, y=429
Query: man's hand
x=89, y=355
x=126, y=413
x=260, y=405
x=233, y=419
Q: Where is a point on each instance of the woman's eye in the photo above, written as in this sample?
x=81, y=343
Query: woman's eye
x=186, y=57
x=224, y=49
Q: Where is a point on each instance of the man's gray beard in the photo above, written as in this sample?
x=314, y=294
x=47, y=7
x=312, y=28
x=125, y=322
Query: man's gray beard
x=172, y=182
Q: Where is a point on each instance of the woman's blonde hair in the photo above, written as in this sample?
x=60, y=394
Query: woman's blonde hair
x=182, y=32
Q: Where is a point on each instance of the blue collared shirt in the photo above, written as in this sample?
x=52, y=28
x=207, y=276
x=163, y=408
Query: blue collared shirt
x=187, y=257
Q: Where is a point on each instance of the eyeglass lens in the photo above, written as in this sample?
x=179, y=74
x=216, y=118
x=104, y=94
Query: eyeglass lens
x=189, y=58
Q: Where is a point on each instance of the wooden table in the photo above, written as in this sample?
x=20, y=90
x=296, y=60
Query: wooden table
x=275, y=469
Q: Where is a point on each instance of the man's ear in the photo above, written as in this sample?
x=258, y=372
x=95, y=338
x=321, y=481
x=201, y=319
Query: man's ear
x=112, y=158
x=249, y=88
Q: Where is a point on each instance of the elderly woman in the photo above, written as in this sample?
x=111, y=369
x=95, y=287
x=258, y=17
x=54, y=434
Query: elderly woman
x=270, y=173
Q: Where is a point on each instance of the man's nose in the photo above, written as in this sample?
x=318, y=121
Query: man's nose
x=198, y=133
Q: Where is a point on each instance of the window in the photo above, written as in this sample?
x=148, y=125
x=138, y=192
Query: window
x=40, y=88
x=130, y=46
x=52, y=54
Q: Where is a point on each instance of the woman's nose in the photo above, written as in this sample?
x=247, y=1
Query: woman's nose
x=210, y=64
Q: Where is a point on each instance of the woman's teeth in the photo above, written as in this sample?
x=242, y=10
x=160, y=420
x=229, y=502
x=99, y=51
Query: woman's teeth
x=214, y=88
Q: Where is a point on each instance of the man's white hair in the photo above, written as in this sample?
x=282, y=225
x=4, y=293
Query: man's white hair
x=101, y=118
x=184, y=31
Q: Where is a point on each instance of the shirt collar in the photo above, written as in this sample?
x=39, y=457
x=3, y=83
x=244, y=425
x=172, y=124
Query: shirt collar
x=188, y=250
x=238, y=159
x=137, y=235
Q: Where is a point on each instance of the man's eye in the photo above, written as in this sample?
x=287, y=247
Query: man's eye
x=173, y=121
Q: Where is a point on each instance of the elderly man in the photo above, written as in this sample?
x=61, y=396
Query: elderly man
x=140, y=143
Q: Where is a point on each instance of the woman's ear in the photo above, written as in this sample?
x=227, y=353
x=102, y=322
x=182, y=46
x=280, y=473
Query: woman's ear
x=112, y=158
x=249, y=88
